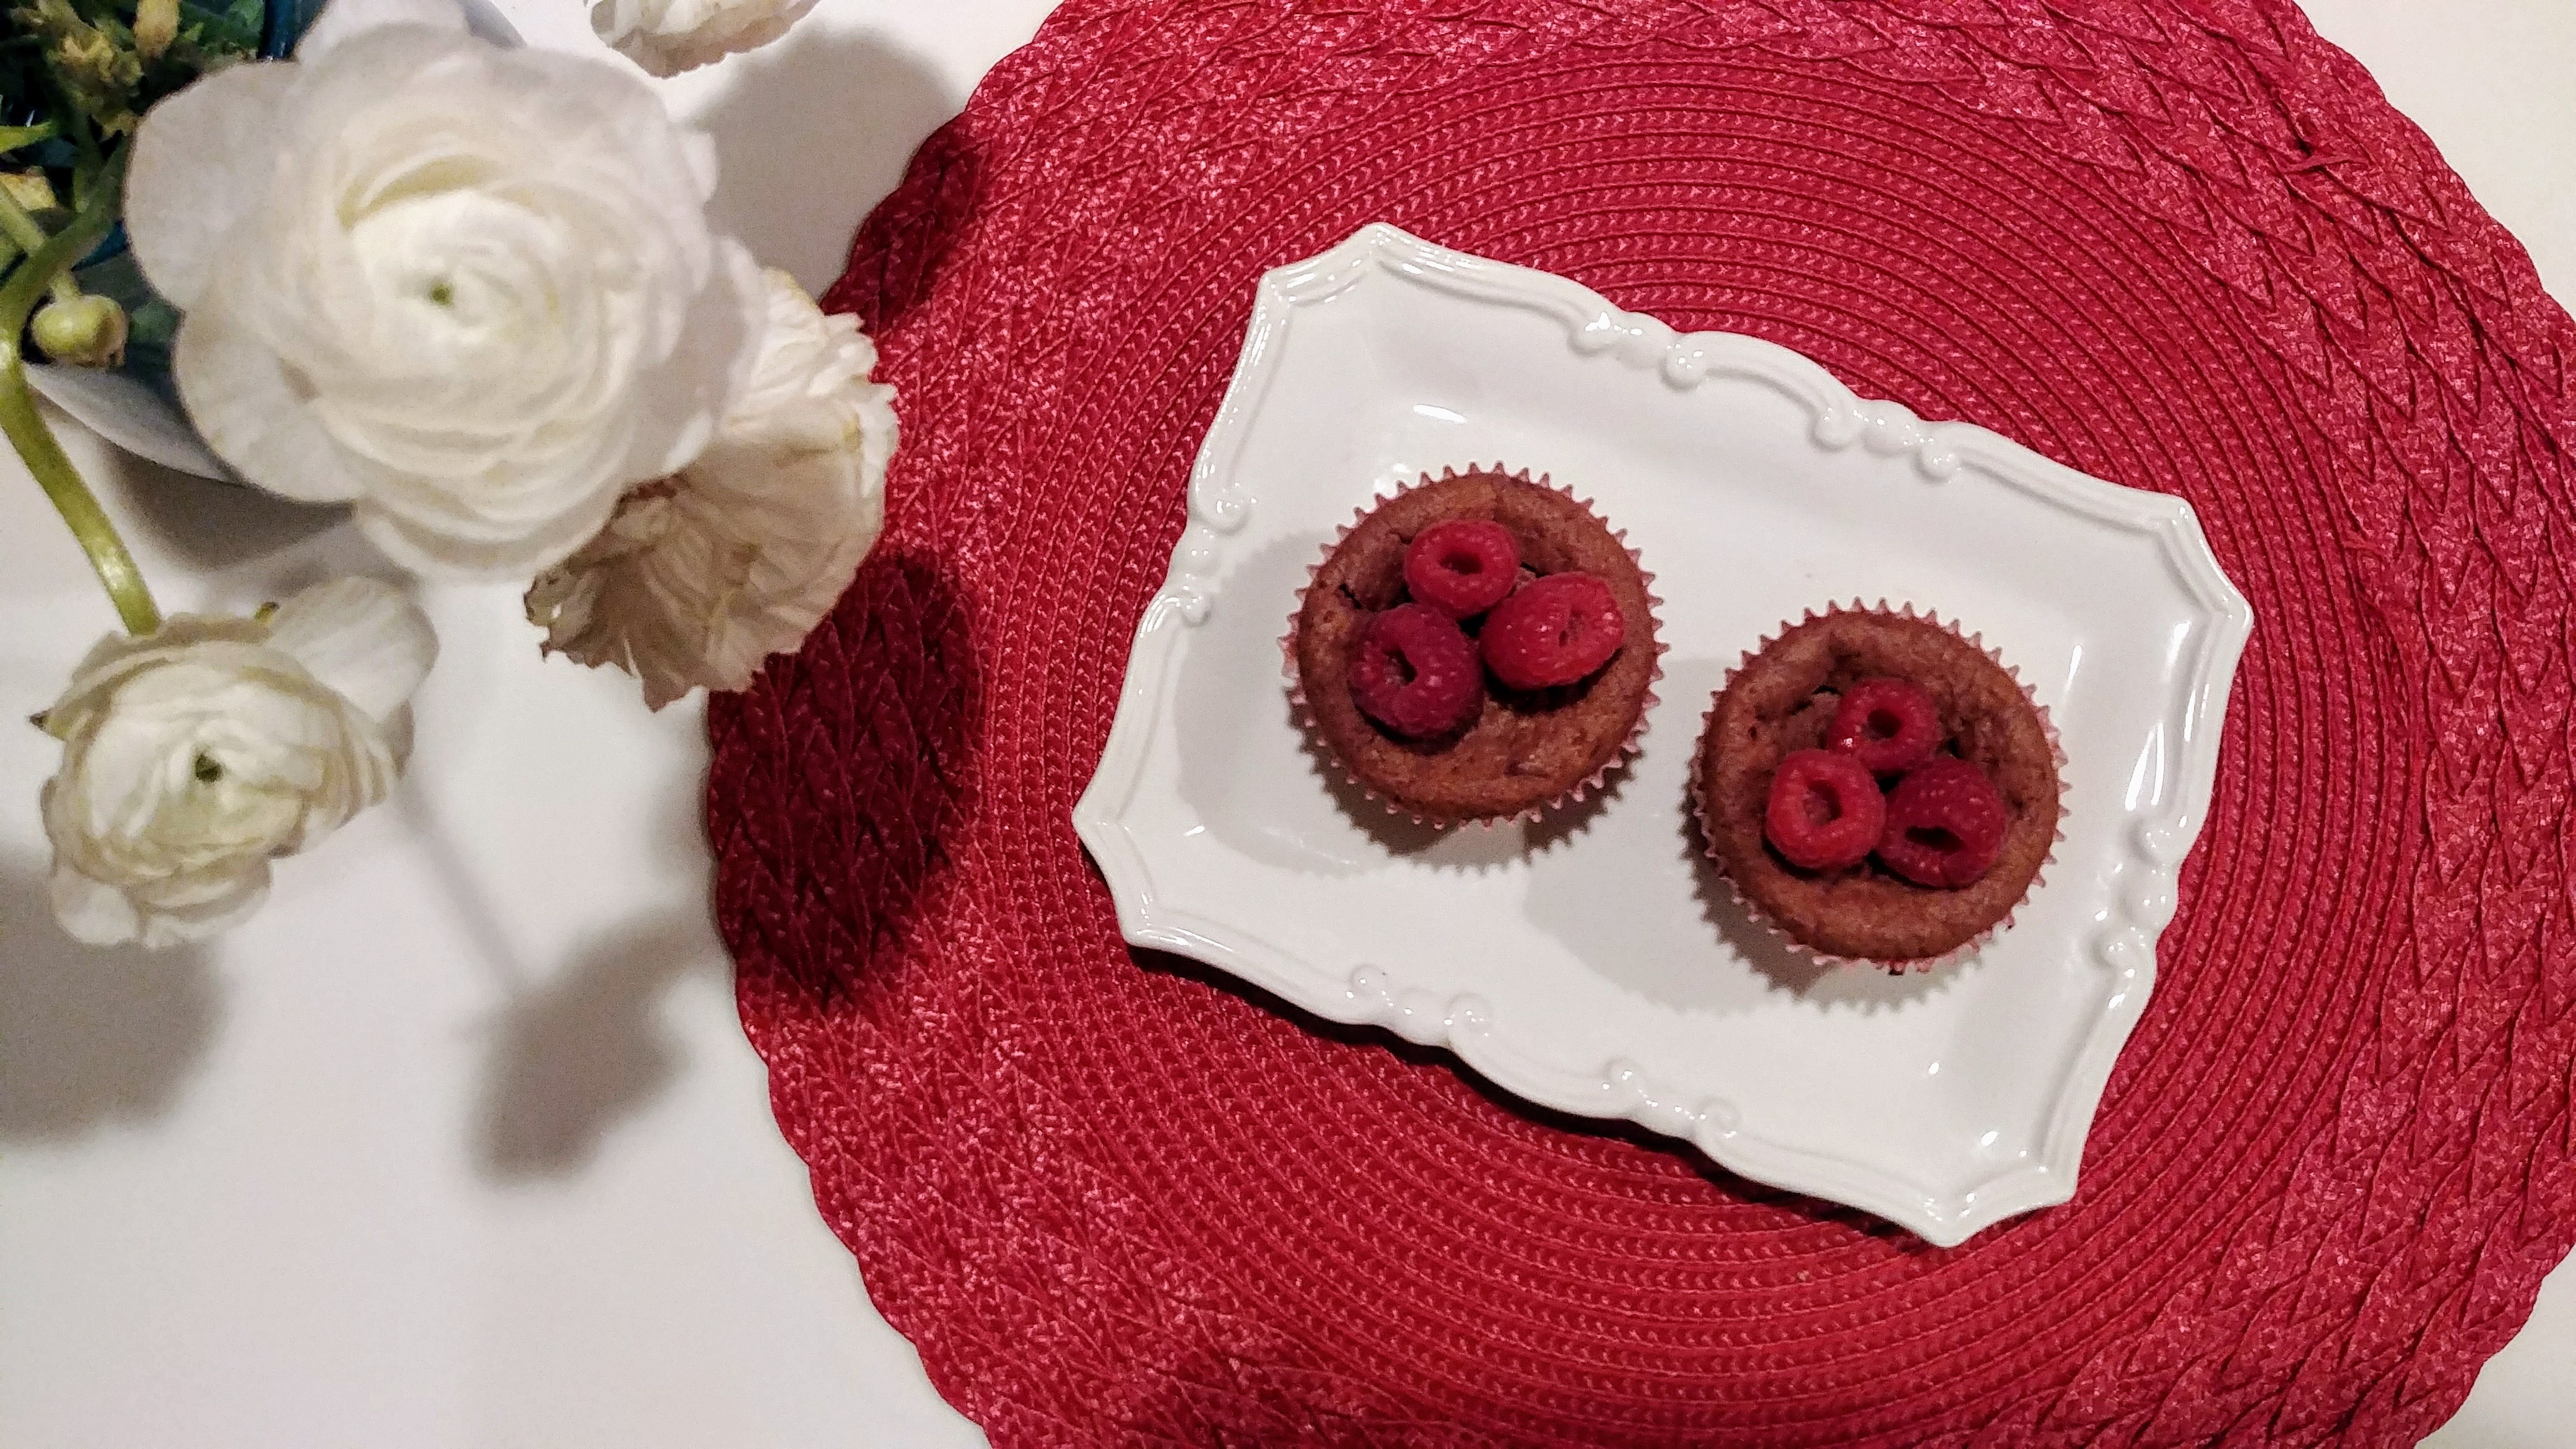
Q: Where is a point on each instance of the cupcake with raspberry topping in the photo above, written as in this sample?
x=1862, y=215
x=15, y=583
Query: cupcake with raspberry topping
x=1479, y=646
x=1878, y=788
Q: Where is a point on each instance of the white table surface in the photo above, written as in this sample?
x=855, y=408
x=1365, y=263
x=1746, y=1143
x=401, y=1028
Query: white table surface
x=459, y=1143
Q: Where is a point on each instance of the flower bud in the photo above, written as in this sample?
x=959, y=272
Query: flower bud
x=30, y=190
x=156, y=24
x=85, y=331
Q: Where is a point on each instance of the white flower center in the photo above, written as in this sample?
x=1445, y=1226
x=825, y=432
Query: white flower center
x=465, y=280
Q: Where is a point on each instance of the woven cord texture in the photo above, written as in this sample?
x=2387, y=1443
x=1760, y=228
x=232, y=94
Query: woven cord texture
x=2181, y=244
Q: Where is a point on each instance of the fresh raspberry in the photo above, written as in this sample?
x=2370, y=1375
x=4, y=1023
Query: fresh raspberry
x=1945, y=825
x=1462, y=567
x=1889, y=725
x=1555, y=631
x=1825, y=811
x=1416, y=673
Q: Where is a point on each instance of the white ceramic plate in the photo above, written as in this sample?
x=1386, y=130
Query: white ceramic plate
x=1592, y=962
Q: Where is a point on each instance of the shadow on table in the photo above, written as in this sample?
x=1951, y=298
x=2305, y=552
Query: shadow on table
x=212, y=526
x=811, y=133
x=91, y=1037
x=209, y=528
x=844, y=763
x=577, y=1050
x=1743, y=1189
x=574, y=1056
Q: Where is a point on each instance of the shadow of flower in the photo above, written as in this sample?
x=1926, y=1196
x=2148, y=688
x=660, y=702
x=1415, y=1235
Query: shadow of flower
x=91, y=1037
x=811, y=132
x=585, y=1051
x=837, y=781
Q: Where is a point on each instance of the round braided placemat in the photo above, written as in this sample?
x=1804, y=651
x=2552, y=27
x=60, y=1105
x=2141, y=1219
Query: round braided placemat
x=2181, y=244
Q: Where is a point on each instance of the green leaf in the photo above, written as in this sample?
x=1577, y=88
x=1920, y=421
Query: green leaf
x=88, y=163
x=13, y=137
x=225, y=27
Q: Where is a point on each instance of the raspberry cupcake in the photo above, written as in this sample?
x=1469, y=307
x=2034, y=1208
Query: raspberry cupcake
x=1878, y=788
x=1478, y=647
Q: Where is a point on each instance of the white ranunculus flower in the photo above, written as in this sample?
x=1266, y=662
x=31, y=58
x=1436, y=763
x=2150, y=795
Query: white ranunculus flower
x=194, y=755
x=703, y=575
x=667, y=37
x=470, y=289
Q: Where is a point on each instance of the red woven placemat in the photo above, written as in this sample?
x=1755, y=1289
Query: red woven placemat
x=2184, y=246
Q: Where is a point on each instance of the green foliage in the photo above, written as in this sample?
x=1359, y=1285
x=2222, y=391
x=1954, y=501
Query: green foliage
x=222, y=29
x=93, y=67
x=76, y=64
x=75, y=80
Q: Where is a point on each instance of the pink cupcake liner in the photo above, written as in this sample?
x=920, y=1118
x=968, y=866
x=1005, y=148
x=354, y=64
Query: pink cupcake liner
x=1619, y=757
x=1762, y=918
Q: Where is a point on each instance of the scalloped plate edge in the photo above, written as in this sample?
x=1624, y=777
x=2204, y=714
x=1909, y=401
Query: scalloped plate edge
x=1363, y=994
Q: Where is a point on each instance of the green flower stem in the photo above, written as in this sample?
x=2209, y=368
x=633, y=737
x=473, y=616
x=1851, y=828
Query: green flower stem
x=23, y=233
x=73, y=500
x=25, y=426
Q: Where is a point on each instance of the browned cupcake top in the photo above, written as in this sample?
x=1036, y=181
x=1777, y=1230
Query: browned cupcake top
x=1783, y=700
x=1526, y=748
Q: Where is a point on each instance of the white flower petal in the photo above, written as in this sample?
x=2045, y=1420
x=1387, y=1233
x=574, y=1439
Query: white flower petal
x=368, y=67
x=345, y=20
x=118, y=657
x=251, y=412
x=667, y=37
x=201, y=159
x=701, y=150
x=361, y=637
x=195, y=755
x=700, y=577
x=91, y=913
x=481, y=303
x=684, y=405
x=455, y=555
x=178, y=925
